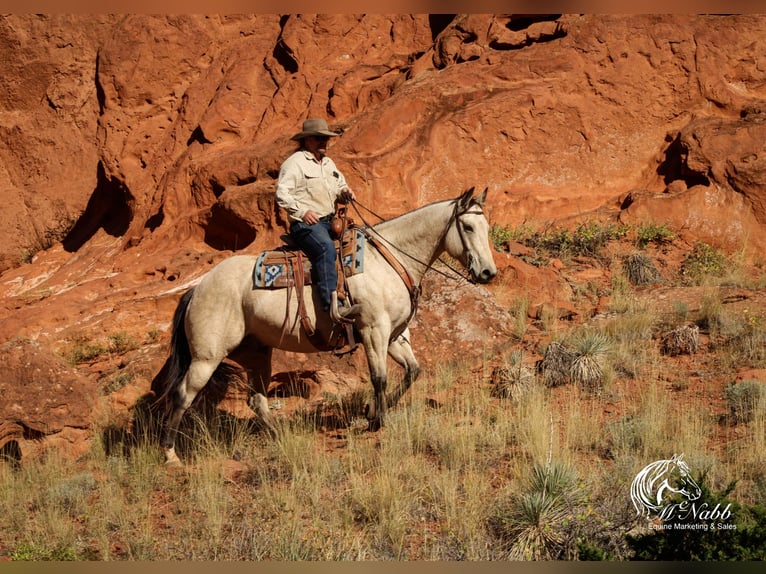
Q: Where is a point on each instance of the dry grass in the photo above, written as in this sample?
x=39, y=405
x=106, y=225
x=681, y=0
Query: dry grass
x=473, y=464
x=457, y=478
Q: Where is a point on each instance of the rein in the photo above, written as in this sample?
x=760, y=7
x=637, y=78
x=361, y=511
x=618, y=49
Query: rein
x=427, y=266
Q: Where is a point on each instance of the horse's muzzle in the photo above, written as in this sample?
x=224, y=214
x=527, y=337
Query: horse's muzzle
x=485, y=275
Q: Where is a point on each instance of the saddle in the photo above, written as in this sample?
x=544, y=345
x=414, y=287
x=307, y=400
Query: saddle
x=283, y=266
x=287, y=267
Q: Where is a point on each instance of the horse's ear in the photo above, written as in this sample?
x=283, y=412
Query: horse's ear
x=480, y=200
x=465, y=199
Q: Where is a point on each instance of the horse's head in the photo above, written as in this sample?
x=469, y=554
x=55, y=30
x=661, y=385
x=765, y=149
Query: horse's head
x=468, y=237
x=656, y=485
x=684, y=483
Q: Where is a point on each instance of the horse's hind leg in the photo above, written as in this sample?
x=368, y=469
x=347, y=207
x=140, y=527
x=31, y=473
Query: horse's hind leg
x=196, y=378
x=401, y=351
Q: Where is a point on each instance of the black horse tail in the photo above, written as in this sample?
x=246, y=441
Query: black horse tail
x=176, y=365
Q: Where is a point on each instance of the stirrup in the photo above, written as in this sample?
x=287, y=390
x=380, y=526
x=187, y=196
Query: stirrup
x=347, y=315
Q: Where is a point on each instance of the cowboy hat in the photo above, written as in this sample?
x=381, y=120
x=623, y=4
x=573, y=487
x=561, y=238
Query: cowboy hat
x=314, y=127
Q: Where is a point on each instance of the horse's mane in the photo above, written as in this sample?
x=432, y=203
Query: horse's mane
x=413, y=212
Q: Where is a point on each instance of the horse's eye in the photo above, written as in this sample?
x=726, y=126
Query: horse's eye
x=468, y=228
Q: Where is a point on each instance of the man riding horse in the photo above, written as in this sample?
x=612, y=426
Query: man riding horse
x=308, y=189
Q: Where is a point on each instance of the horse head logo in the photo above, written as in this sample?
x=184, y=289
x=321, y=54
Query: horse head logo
x=653, y=487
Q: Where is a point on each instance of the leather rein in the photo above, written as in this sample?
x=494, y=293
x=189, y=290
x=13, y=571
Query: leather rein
x=401, y=270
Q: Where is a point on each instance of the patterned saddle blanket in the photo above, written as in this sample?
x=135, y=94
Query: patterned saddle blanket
x=276, y=269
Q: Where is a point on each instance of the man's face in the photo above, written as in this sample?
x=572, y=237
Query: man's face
x=317, y=145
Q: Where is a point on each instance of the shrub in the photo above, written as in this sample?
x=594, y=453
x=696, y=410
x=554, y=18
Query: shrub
x=640, y=270
x=39, y=552
x=500, y=236
x=121, y=342
x=587, y=239
x=653, y=233
x=84, y=350
x=702, y=262
x=556, y=364
x=535, y=525
x=744, y=399
x=745, y=542
x=586, y=369
x=512, y=381
x=683, y=340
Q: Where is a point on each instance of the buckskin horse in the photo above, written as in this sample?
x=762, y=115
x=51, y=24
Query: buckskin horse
x=224, y=316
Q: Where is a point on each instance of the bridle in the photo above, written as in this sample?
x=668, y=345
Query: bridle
x=379, y=242
x=454, y=218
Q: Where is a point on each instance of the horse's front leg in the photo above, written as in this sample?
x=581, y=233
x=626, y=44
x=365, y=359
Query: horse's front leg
x=376, y=348
x=400, y=350
x=256, y=360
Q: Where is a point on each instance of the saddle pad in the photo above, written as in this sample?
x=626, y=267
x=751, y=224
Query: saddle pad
x=276, y=269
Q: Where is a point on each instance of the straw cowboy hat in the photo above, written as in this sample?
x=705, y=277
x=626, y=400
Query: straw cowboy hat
x=314, y=127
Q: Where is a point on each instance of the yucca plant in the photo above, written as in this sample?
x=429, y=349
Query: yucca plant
x=640, y=270
x=536, y=525
x=586, y=370
x=512, y=380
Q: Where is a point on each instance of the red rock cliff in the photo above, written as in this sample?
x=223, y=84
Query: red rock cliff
x=136, y=151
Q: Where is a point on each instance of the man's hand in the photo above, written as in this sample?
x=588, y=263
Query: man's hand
x=310, y=218
x=347, y=195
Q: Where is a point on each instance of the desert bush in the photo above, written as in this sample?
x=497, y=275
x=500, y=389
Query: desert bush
x=499, y=236
x=701, y=264
x=536, y=524
x=586, y=369
x=639, y=269
x=747, y=341
x=653, y=420
x=634, y=327
x=85, y=350
x=683, y=340
x=745, y=399
x=519, y=312
x=746, y=541
x=622, y=296
x=38, y=552
x=647, y=233
x=121, y=342
x=556, y=364
x=712, y=315
x=680, y=311
x=587, y=239
x=512, y=380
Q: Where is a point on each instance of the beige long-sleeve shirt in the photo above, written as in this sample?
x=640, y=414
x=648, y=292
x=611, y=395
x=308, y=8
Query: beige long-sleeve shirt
x=305, y=183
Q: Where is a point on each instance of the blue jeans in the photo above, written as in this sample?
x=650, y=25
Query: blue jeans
x=316, y=242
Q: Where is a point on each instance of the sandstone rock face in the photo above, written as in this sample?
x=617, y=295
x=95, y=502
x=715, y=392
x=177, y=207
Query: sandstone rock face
x=137, y=151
